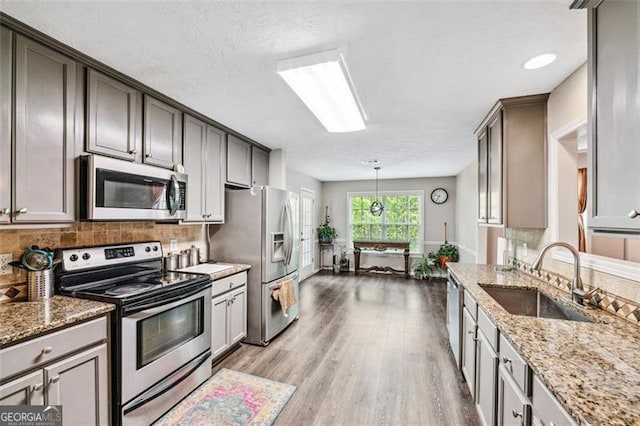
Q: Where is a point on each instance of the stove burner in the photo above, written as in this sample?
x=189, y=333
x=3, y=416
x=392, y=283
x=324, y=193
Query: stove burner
x=128, y=289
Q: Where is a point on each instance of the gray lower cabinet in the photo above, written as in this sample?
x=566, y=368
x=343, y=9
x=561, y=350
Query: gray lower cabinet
x=162, y=133
x=205, y=163
x=228, y=313
x=486, y=380
x=545, y=408
x=259, y=167
x=114, y=117
x=68, y=367
x=238, y=162
x=513, y=406
x=468, y=361
x=614, y=131
x=6, y=108
x=45, y=117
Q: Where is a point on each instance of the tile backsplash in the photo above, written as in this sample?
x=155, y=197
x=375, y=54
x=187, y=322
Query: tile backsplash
x=14, y=241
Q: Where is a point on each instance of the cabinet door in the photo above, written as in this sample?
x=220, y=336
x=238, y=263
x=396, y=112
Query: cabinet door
x=214, y=174
x=195, y=164
x=259, y=167
x=513, y=407
x=615, y=124
x=546, y=410
x=486, y=380
x=25, y=390
x=162, y=133
x=112, y=117
x=238, y=162
x=468, y=361
x=238, y=315
x=6, y=105
x=45, y=93
x=80, y=384
x=219, y=325
x=482, y=176
x=494, y=169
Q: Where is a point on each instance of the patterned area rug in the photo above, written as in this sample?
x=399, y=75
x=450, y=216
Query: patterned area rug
x=231, y=398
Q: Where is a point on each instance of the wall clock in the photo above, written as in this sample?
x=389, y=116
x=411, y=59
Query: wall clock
x=439, y=195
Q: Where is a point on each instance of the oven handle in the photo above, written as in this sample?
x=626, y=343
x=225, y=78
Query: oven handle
x=164, y=304
x=174, y=195
x=166, y=384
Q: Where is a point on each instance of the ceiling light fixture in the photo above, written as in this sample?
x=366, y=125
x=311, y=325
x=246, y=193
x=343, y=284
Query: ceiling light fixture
x=539, y=61
x=376, y=208
x=323, y=83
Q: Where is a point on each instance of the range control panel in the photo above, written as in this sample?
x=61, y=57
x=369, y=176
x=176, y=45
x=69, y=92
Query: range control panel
x=76, y=259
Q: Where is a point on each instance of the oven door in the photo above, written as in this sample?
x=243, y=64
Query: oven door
x=120, y=190
x=161, y=339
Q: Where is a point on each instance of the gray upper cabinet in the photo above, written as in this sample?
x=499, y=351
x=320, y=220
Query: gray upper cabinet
x=512, y=163
x=114, y=117
x=6, y=106
x=614, y=117
x=259, y=167
x=45, y=108
x=238, y=162
x=162, y=133
x=204, y=161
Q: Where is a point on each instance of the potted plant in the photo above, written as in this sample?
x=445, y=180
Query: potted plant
x=447, y=253
x=326, y=233
x=423, y=267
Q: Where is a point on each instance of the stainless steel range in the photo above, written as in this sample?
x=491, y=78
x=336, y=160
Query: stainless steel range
x=160, y=330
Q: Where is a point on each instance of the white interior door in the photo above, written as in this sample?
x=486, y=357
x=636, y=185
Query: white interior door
x=307, y=201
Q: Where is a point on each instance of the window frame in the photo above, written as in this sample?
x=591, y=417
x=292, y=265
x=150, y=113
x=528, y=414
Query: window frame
x=381, y=194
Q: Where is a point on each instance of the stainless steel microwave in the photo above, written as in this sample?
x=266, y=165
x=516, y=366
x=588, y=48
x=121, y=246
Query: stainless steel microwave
x=113, y=189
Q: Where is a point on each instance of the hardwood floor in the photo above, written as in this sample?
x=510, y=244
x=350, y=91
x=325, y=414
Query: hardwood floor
x=367, y=349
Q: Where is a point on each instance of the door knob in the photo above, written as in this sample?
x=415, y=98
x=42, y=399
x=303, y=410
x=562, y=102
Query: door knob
x=633, y=214
x=22, y=210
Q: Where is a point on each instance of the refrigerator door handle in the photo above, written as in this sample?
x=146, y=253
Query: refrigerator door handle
x=288, y=236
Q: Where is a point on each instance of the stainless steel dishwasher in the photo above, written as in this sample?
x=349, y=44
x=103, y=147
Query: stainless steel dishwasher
x=453, y=316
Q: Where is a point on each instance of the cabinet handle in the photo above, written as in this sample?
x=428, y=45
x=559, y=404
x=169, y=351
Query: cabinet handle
x=230, y=285
x=475, y=339
x=147, y=156
x=506, y=360
x=133, y=151
x=633, y=214
x=5, y=211
x=46, y=350
x=516, y=414
x=36, y=387
x=54, y=379
x=22, y=210
x=470, y=332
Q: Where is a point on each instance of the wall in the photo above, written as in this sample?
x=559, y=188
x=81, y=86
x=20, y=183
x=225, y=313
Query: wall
x=566, y=106
x=334, y=196
x=466, y=213
x=85, y=234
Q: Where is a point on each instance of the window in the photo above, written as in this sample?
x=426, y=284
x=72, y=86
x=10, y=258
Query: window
x=401, y=219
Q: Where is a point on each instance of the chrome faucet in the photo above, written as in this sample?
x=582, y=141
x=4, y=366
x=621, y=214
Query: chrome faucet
x=578, y=294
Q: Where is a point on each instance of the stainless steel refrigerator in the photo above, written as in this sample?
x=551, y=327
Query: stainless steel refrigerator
x=261, y=229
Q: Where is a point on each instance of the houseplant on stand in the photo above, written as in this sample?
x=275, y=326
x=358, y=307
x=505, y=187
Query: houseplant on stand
x=326, y=233
x=423, y=267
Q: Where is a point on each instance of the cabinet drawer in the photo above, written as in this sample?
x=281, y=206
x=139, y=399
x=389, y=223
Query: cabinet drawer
x=41, y=350
x=490, y=331
x=513, y=363
x=546, y=408
x=471, y=305
x=228, y=283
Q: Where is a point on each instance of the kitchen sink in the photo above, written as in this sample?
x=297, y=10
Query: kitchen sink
x=532, y=303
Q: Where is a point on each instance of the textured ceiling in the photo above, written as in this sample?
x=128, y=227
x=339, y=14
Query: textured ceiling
x=426, y=72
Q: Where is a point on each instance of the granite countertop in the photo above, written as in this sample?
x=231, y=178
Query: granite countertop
x=235, y=269
x=593, y=369
x=23, y=320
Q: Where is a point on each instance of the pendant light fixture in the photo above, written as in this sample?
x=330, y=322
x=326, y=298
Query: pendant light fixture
x=376, y=208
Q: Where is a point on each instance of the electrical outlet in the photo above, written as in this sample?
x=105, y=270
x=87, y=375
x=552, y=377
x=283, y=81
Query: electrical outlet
x=173, y=245
x=5, y=268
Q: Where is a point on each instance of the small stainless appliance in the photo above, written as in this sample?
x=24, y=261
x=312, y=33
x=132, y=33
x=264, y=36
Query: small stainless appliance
x=160, y=329
x=113, y=189
x=261, y=229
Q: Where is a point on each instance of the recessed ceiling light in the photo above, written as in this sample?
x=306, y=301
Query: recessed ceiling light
x=539, y=61
x=369, y=162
